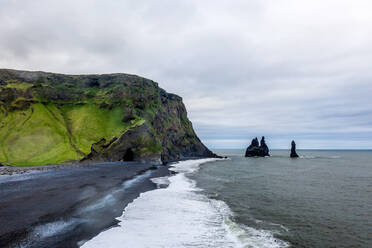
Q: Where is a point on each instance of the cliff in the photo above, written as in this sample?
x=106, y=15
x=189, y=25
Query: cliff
x=48, y=118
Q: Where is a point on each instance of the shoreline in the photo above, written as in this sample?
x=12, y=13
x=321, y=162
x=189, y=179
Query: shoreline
x=75, y=201
x=14, y=169
x=10, y=170
x=181, y=215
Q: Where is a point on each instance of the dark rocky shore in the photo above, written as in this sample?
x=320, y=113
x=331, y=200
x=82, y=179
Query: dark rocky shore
x=10, y=170
x=60, y=207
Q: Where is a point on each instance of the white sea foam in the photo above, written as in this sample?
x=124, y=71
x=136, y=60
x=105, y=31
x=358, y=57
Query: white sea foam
x=179, y=216
x=161, y=182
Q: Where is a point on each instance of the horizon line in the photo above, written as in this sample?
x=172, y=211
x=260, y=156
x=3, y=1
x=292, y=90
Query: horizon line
x=302, y=149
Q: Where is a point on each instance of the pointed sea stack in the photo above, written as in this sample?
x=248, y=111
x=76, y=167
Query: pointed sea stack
x=264, y=149
x=252, y=150
x=257, y=150
x=293, y=150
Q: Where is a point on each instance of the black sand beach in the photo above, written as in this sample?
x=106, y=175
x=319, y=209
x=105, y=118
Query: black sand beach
x=63, y=207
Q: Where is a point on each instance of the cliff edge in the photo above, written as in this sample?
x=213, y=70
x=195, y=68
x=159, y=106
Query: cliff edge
x=49, y=118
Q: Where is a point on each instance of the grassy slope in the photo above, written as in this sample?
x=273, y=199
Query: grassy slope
x=51, y=118
x=45, y=134
x=17, y=85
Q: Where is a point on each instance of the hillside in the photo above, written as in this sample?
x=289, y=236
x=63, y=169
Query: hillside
x=48, y=118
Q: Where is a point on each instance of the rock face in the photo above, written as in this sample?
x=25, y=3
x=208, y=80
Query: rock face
x=48, y=118
x=256, y=149
x=293, y=150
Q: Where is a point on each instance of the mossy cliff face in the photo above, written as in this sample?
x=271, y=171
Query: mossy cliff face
x=48, y=118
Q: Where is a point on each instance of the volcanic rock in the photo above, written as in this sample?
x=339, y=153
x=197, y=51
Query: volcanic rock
x=257, y=150
x=293, y=150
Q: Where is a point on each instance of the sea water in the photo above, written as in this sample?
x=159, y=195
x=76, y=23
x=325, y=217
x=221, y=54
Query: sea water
x=322, y=199
x=181, y=216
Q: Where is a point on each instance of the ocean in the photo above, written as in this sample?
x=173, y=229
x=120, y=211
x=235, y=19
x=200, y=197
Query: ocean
x=322, y=199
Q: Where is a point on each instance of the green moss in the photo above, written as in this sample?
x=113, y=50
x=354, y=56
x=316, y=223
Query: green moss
x=89, y=124
x=149, y=146
x=46, y=134
x=154, y=147
x=18, y=85
x=34, y=137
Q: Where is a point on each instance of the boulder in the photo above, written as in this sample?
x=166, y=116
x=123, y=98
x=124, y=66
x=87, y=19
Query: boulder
x=293, y=150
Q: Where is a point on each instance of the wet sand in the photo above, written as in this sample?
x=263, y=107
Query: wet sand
x=63, y=207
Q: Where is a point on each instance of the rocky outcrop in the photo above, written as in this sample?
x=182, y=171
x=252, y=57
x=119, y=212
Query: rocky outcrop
x=109, y=117
x=293, y=150
x=257, y=150
x=253, y=149
x=264, y=147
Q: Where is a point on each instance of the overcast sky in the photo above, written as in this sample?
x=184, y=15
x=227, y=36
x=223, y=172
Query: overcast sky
x=285, y=69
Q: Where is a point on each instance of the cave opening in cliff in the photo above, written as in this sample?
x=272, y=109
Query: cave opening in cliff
x=128, y=155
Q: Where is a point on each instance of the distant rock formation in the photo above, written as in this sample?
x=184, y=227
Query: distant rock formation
x=264, y=147
x=293, y=150
x=256, y=149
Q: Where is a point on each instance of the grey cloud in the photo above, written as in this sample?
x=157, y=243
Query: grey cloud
x=244, y=68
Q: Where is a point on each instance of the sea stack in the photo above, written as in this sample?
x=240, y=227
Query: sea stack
x=264, y=148
x=293, y=150
x=257, y=150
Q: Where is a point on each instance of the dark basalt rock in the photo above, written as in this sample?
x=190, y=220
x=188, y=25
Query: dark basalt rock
x=253, y=149
x=264, y=148
x=257, y=150
x=293, y=150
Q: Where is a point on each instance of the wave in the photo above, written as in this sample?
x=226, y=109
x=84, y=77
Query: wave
x=179, y=216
